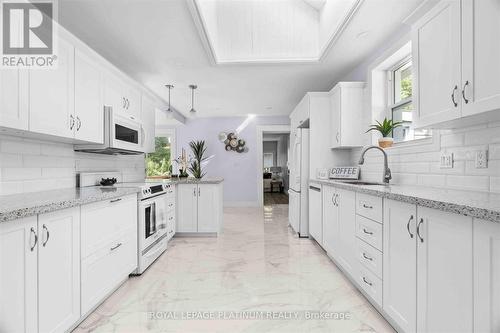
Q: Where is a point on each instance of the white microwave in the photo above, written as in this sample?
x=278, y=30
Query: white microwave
x=122, y=136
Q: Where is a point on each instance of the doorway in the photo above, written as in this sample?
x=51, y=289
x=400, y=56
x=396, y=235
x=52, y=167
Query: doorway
x=275, y=174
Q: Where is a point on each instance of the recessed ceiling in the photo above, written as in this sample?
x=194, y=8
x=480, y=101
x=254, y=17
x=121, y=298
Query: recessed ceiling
x=156, y=42
x=263, y=31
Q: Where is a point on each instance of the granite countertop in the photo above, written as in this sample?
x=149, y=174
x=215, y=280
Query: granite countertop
x=190, y=180
x=480, y=205
x=28, y=204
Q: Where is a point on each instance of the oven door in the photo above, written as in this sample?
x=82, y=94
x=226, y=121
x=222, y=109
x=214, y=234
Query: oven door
x=153, y=221
x=125, y=133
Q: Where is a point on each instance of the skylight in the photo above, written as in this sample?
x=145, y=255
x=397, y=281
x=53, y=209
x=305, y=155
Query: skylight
x=261, y=31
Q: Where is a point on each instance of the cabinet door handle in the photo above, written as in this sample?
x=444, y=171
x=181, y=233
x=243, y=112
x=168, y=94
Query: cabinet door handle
x=367, y=207
x=418, y=229
x=128, y=104
x=71, y=122
x=199, y=192
x=314, y=188
x=366, y=257
x=78, y=123
x=116, y=246
x=194, y=191
x=115, y=200
x=367, y=282
x=47, y=233
x=463, y=92
x=337, y=136
x=367, y=232
x=32, y=232
x=408, y=226
x=453, y=96
x=124, y=102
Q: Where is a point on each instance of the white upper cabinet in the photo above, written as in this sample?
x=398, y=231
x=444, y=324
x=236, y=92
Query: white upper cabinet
x=18, y=279
x=400, y=264
x=300, y=114
x=14, y=99
x=455, y=57
x=486, y=276
x=148, y=112
x=436, y=61
x=51, y=96
x=480, y=55
x=58, y=270
x=89, y=115
x=346, y=103
x=444, y=272
x=121, y=97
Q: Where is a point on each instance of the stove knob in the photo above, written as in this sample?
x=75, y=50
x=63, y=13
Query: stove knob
x=144, y=192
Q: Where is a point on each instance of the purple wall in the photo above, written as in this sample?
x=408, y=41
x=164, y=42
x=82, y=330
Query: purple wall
x=238, y=170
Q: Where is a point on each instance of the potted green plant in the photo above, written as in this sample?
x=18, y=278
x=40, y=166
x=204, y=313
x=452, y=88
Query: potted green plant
x=198, y=148
x=385, y=128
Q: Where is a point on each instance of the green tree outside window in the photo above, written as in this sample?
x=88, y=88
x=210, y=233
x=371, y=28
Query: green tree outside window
x=158, y=164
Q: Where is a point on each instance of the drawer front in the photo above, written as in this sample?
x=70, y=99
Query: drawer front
x=369, y=257
x=369, y=206
x=371, y=284
x=369, y=231
x=106, y=268
x=170, y=204
x=171, y=192
x=106, y=220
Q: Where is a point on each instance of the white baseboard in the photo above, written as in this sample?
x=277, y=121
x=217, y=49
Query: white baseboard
x=241, y=204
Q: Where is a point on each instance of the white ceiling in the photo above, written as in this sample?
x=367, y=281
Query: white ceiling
x=263, y=31
x=157, y=43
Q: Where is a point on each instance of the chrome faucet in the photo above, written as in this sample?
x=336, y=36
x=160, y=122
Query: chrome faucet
x=387, y=171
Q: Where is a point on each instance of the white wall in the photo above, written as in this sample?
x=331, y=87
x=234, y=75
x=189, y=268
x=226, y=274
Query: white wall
x=33, y=165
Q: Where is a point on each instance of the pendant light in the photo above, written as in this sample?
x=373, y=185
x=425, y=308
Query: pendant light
x=192, y=111
x=170, y=112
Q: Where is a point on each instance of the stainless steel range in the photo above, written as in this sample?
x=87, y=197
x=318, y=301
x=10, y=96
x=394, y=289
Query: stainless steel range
x=156, y=214
x=156, y=220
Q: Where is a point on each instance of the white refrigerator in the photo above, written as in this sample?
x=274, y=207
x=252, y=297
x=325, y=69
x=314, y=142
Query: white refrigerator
x=298, y=215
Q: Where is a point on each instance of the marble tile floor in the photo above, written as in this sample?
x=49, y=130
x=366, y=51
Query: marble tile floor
x=256, y=268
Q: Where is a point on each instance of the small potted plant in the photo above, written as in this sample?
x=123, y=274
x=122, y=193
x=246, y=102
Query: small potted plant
x=385, y=128
x=198, y=148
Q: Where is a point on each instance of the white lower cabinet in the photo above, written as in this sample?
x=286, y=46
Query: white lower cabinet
x=315, y=213
x=428, y=269
x=339, y=227
x=400, y=264
x=109, y=247
x=199, y=208
x=444, y=272
x=40, y=277
x=486, y=276
x=58, y=270
x=18, y=275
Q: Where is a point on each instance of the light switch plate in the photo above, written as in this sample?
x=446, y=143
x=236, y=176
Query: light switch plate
x=481, y=159
x=446, y=161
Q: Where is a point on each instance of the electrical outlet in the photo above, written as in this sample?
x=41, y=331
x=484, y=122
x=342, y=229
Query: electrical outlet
x=446, y=161
x=481, y=159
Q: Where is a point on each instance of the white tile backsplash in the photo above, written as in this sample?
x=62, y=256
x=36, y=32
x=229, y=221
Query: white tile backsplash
x=419, y=164
x=28, y=165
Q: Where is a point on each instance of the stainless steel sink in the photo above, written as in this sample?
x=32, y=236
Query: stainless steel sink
x=358, y=182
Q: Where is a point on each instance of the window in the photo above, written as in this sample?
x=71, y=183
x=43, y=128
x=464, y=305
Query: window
x=401, y=103
x=159, y=163
x=268, y=160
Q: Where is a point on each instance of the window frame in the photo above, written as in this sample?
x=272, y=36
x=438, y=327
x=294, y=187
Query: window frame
x=391, y=96
x=165, y=132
